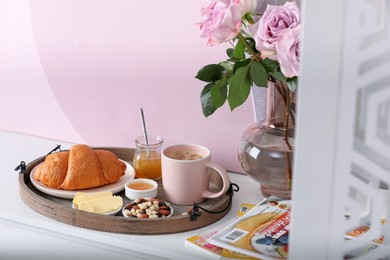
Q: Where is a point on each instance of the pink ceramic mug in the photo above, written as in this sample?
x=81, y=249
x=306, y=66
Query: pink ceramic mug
x=185, y=174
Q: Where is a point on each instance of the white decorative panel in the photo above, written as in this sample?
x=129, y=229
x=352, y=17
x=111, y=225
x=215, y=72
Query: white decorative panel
x=362, y=162
x=342, y=162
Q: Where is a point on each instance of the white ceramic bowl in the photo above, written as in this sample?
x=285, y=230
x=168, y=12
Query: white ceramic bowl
x=133, y=193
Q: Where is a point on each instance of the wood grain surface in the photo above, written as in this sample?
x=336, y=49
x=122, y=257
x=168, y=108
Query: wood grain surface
x=61, y=209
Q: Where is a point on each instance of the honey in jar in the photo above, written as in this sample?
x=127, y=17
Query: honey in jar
x=147, y=162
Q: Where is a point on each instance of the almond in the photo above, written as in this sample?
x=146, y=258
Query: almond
x=164, y=212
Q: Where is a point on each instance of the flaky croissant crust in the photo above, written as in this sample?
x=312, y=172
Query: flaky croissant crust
x=80, y=168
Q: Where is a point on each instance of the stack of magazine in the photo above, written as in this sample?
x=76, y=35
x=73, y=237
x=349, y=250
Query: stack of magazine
x=261, y=232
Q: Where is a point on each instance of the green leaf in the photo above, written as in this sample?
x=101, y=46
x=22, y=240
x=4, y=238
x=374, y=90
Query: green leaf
x=249, y=18
x=279, y=76
x=241, y=63
x=270, y=65
x=251, y=42
x=226, y=64
x=229, y=52
x=239, y=50
x=239, y=87
x=258, y=74
x=292, y=84
x=210, y=73
x=219, y=92
x=208, y=107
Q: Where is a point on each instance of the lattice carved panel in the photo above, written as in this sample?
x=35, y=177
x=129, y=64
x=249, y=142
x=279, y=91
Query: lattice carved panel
x=362, y=167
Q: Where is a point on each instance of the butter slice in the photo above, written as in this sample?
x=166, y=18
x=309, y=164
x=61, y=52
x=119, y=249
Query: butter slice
x=86, y=197
x=102, y=205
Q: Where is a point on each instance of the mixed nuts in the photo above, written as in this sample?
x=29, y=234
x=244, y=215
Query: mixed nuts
x=147, y=208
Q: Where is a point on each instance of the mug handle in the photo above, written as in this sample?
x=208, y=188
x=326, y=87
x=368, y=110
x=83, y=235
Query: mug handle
x=225, y=179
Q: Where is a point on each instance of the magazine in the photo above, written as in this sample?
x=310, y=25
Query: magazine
x=360, y=231
x=261, y=233
x=201, y=241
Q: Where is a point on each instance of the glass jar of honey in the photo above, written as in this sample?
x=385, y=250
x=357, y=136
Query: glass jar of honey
x=147, y=158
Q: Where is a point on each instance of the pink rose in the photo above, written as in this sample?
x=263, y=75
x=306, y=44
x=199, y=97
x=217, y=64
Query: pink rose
x=221, y=19
x=246, y=5
x=287, y=49
x=271, y=26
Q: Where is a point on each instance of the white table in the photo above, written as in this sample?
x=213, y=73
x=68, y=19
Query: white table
x=26, y=234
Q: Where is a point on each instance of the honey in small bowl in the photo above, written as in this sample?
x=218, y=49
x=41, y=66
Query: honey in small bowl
x=140, y=186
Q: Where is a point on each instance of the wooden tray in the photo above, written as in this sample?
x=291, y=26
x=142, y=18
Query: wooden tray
x=61, y=209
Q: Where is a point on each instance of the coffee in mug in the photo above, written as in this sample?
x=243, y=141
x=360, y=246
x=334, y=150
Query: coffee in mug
x=185, y=155
x=185, y=174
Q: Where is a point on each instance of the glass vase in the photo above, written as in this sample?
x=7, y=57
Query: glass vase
x=266, y=148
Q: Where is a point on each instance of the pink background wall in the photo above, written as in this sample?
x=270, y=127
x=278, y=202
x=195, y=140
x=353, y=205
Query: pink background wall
x=84, y=69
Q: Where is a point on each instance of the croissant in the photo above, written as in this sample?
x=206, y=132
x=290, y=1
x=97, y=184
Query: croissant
x=80, y=168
